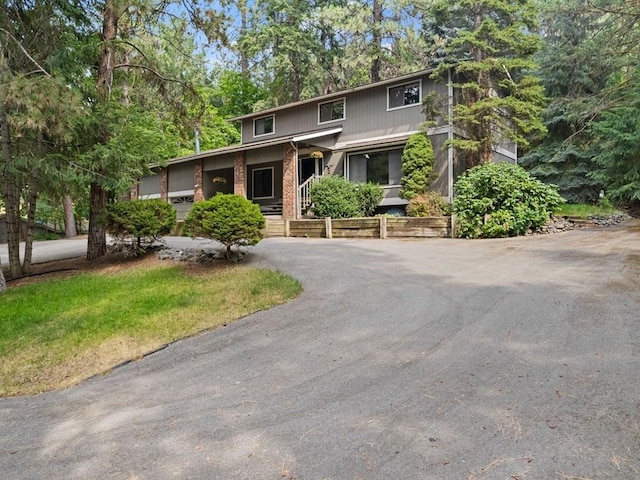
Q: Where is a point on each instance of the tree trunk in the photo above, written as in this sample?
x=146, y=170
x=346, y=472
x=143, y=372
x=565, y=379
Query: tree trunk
x=31, y=223
x=97, y=241
x=3, y=282
x=376, y=40
x=12, y=209
x=69, y=218
x=107, y=51
x=244, y=59
x=11, y=197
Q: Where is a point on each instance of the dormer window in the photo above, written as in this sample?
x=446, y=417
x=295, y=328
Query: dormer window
x=264, y=126
x=331, y=111
x=400, y=96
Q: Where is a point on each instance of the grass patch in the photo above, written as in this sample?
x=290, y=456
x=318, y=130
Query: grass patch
x=58, y=332
x=583, y=210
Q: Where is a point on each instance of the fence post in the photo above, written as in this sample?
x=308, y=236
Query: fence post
x=383, y=227
x=328, y=227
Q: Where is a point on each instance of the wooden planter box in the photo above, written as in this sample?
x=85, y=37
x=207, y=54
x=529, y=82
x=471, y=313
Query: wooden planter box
x=370, y=227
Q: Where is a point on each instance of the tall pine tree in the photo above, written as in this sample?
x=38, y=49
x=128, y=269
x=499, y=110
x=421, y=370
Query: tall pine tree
x=488, y=45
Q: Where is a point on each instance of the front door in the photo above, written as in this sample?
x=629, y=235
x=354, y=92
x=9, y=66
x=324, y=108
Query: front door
x=309, y=166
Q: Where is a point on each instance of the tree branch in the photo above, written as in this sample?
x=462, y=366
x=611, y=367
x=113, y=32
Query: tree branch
x=154, y=72
x=40, y=68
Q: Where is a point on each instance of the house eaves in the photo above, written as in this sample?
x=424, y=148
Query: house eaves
x=314, y=135
x=329, y=96
x=388, y=140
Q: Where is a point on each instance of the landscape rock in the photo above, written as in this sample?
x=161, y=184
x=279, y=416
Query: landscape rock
x=191, y=255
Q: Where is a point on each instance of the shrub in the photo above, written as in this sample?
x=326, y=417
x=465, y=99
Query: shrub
x=230, y=219
x=334, y=196
x=369, y=196
x=136, y=225
x=430, y=204
x=418, y=159
x=501, y=200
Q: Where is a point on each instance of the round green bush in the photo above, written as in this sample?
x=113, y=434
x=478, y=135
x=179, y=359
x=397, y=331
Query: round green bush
x=230, y=219
x=334, y=196
x=369, y=196
x=137, y=224
x=501, y=200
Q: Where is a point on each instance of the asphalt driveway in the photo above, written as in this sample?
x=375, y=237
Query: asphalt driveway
x=436, y=359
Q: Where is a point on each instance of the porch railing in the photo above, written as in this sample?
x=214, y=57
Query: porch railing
x=303, y=194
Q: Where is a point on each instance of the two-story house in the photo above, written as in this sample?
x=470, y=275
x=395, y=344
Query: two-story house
x=358, y=133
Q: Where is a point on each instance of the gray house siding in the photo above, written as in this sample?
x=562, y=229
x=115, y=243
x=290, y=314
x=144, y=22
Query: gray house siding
x=149, y=186
x=264, y=155
x=180, y=178
x=366, y=114
x=220, y=161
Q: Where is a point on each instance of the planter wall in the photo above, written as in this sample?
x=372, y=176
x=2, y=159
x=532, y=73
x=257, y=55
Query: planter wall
x=371, y=227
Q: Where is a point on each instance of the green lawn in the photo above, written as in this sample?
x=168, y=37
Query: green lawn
x=56, y=333
x=584, y=210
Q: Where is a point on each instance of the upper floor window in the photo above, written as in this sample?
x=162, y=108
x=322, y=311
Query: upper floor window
x=263, y=126
x=404, y=95
x=331, y=111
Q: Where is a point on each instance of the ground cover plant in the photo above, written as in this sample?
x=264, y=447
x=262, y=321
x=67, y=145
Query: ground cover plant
x=55, y=333
x=585, y=210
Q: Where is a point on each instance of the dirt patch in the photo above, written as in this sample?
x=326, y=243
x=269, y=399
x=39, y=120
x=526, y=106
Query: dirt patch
x=109, y=264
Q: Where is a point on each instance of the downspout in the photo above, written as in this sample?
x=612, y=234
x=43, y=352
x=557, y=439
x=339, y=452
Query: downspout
x=297, y=210
x=450, y=152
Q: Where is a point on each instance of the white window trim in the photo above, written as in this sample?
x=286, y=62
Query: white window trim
x=365, y=152
x=419, y=103
x=253, y=183
x=344, y=110
x=264, y=134
x=148, y=196
x=181, y=193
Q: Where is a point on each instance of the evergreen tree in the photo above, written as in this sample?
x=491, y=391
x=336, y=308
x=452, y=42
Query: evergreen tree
x=488, y=45
x=37, y=109
x=572, y=67
x=418, y=159
x=617, y=142
x=586, y=45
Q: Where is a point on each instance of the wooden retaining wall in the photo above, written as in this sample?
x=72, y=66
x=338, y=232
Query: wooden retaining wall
x=372, y=227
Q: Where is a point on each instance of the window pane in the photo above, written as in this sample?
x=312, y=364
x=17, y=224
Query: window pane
x=358, y=168
x=378, y=168
x=395, y=167
x=412, y=94
x=404, y=95
x=396, y=97
x=264, y=126
x=332, y=111
x=263, y=183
